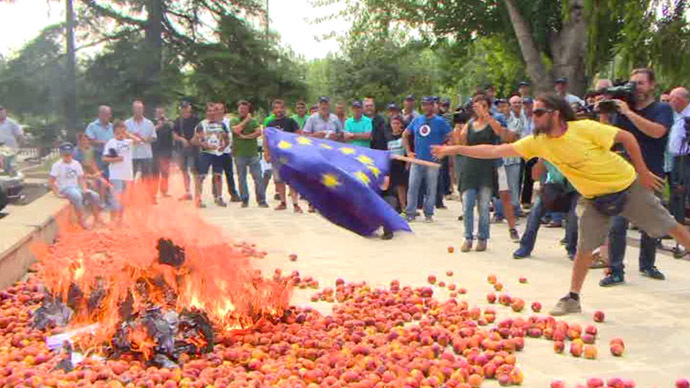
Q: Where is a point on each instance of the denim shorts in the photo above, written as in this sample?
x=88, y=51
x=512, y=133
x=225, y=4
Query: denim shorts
x=208, y=161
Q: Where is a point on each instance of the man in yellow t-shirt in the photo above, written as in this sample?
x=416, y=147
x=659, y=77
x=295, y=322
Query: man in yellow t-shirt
x=581, y=150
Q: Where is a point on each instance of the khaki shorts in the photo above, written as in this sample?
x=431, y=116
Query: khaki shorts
x=643, y=209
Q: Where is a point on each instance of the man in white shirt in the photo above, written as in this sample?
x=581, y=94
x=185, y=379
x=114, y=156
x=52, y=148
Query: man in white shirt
x=11, y=135
x=513, y=166
x=67, y=181
x=142, y=154
x=562, y=90
x=678, y=146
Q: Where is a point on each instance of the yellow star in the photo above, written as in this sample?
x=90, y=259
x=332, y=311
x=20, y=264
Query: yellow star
x=330, y=180
x=326, y=146
x=347, y=150
x=365, y=159
x=284, y=145
x=362, y=176
x=374, y=170
x=304, y=140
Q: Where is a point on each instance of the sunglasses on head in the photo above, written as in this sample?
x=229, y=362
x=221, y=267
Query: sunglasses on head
x=538, y=112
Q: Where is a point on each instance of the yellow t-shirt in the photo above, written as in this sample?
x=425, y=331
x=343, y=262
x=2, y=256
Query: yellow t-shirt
x=583, y=154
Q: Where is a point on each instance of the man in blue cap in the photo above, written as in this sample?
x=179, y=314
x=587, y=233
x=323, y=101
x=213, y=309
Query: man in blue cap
x=562, y=91
x=409, y=112
x=523, y=89
x=67, y=181
x=358, y=127
x=427, y=130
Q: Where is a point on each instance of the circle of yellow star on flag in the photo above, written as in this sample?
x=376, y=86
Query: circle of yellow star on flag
x=326, y=146
x=347, y=150
x=365, y=159
x=330, y=180
x=374, y=170
x=284, y=145
x=303, y=140
x=362, y=176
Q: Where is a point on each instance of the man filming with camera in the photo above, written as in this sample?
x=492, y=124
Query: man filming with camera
x=679, y=147
x=649, y=121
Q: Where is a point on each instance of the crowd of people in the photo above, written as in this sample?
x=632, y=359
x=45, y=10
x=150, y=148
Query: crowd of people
x=490, y=150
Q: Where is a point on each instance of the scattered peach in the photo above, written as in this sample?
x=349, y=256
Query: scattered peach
x=431, y=279
x=559, y=346
x=536, y=307
x=498, y=286
x=517, y=305
x=451, y=249
x=293, y=257
x=557, y=384
x=682, y=383
x=576, y=349
x=590, y=352
x=523, y=279
x=491, y=297
x=599, y=316
x=595, y=382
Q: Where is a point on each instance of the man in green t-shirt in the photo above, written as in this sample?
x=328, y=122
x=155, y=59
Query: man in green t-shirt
x=301, y=116
x=358, y=127
x=245, y=132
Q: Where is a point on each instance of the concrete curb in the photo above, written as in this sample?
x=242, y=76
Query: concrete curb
x=36, y=222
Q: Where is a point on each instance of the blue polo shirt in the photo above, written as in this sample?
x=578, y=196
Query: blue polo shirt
x=97, y=131
x=427, y=132
x=363, y=125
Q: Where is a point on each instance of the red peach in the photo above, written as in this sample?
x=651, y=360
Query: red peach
x=517, y=305
x=498, y=286
x=590, y=352
x=462, y=291
x=491, y=297
x=599, y=316
x=449, y=273
x=491, y=279
x=559, y=346
x=293, y=257
x=617, y=350
x=576, y=349
x=591, y=330
x=441, y=284
x=557, y=384
x=431, y=279
x=595, y=382
x=628, y=384
x=451, y=249
x=536, y=307
x=523, y=280
x=682, y=383
x=588, y=339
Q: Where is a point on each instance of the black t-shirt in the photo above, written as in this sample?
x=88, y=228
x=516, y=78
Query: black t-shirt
x=285, y=124
x=652, y=149
x=379, y=134
x=186, y=127
x=164, y=142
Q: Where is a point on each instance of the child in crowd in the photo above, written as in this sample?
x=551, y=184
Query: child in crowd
x=118, y=154
x=67, y=181
x=399, y=171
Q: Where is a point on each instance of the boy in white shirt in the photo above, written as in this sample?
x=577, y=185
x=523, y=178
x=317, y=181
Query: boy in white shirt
x=67, y=181
x=118, y=154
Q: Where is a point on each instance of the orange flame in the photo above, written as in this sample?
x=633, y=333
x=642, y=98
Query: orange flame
x=117, y=267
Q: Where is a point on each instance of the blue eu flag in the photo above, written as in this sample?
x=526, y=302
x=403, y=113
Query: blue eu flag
x=341, y=180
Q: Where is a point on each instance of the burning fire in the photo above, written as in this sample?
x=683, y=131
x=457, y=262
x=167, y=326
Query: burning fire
x=164, y=268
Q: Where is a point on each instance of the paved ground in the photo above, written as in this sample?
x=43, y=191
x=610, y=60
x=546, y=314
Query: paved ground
x=652, y=316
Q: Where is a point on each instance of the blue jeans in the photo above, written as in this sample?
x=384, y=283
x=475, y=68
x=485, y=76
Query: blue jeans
x=119, y=187
x=680, y=187
x=80, y=198
x=513, y=174
x=481, y=198
x=529, y=236
x=251, y=163
x=618, y=241
x=430, y=176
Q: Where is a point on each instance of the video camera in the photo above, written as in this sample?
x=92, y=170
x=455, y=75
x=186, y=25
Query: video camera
x=624, y=92
x=463, y=113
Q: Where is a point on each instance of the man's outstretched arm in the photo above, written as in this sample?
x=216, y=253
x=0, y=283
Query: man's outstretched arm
x=482, y=151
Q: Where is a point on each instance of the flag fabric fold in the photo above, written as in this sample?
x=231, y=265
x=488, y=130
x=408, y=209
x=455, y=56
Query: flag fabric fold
x=340, y=180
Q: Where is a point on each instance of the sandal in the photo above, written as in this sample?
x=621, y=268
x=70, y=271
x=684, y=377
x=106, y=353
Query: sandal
x=598, y=262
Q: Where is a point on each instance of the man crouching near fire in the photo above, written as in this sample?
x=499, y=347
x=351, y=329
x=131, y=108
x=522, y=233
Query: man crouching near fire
x=609, y=185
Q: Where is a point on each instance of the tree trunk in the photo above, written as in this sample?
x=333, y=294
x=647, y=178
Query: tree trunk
x=541, y=78
x=71, y=71
x=569, y=48
x=154, y=54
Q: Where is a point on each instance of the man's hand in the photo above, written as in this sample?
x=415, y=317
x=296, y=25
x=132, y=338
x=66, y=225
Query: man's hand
x=411, y=154
x=623, y=107
x=651, y=182
x=348, y=136
x=439, y=151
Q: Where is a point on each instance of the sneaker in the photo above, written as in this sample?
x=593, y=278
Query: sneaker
x=263, y=205
x=245, y=204
x=571, y=256
x=387, y=235
x=653, y=273
x=441, y=207
x=219, y=201
x=282, y=206
x=514, y=235
x=428, y=219
x=563, y=241
x=235, y=198
x=297, y=208
x=566, y=305
x=611, y=280
x=481, y=246
x=520, y=253
x=186, y=197
x=466, y=246
x=409, y=219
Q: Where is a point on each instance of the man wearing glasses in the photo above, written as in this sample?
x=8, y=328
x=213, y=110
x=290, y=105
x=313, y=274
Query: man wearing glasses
x=609, y=185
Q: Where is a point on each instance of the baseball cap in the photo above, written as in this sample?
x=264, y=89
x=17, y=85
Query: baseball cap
x=428, y=100
x=66, y=148
x=561, y=80
x=523, y=83
x=356, y=104
x=324, y=99
x=528, y=101
x=392, y=106
x=410, y=97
